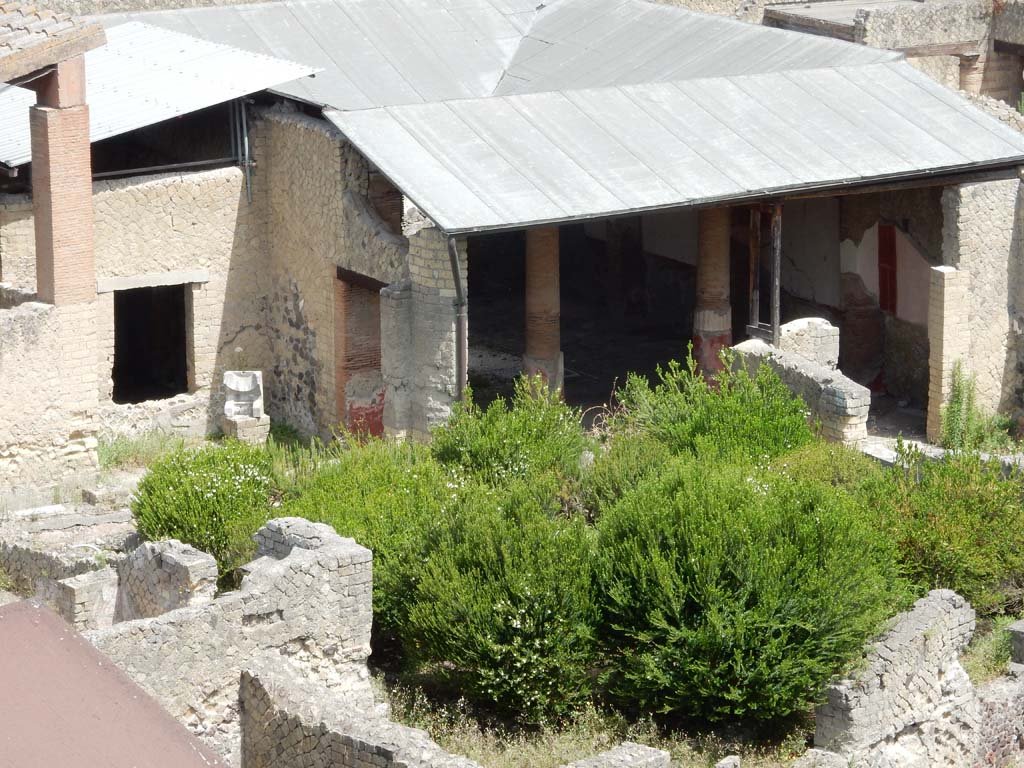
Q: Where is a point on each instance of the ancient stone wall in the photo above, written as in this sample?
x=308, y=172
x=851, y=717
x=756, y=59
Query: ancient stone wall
x=310, y=610
x=982, y=241
x=165, y=229
x=159, y=577
x=312, y=187
x=292, y=722
x=48, y=394
x=840, y=404
x=812, y=338
x=418, y=325
x=905, y=26
x=912, y=703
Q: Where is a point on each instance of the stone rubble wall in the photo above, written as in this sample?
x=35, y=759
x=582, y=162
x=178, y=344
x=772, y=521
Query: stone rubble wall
x=159, y=577
x=48, y=398
x=418, y=319
x=912, y=698
x=310, y=611
x=293, y=722
x=912, y=705
x=982, y=240
x=1008, y=22
x=934, y=22
x=840, y=404
x=93, y=7
x=312, y=187
x=813, y=338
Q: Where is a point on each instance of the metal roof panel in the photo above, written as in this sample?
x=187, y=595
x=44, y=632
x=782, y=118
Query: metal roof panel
x=145, y=75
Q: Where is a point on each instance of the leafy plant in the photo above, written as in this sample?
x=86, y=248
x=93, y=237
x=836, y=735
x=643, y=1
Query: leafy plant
x=965, y=427
x=505, y=605
x=731, y=415
x=534, y=433
x=213, y=497
x=388, y=496
x=959, y=524
x=732, y=593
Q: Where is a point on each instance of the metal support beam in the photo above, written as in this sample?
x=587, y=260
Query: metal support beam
x=776, y=273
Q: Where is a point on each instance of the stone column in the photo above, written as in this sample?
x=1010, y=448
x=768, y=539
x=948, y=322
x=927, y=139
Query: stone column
x=712, y=320
x=949, y=338
x=432, y=380
x=543, y=309
x=62, y=187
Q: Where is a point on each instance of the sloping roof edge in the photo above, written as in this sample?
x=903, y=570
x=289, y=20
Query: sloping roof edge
x=479, y=165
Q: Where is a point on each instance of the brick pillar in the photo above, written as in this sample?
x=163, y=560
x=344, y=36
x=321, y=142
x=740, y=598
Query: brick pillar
x=359, y=388
x=543, y=309
x=62, y=187
x=712, y=320
x=948, y=338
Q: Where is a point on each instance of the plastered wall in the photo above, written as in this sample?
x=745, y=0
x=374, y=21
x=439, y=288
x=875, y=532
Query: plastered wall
x=312, y=190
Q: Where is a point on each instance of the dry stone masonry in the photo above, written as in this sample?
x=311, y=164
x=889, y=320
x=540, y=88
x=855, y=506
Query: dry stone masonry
x=912, y=704
x=839, y=403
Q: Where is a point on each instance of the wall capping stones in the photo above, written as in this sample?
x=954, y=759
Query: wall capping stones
x=152, y=280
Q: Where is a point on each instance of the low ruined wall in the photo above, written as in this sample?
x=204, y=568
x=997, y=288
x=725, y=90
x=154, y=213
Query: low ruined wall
x=840, y=404
x=162, y=576
x=291, y=722
x=912, y=703
x=812, y=338
x=310, y=610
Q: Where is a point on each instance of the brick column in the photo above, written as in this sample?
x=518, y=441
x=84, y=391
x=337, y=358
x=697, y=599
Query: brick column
x=543, y=309
x=712, y=320
x=949, y=338
x=62, y=187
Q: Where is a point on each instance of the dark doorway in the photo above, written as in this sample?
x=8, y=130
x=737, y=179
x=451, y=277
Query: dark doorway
x=149, y=344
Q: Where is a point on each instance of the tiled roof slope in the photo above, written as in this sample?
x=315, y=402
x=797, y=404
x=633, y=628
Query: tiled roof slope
x=33, y=38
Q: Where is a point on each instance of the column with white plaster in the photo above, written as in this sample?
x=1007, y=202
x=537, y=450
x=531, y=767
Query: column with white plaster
x=712, y=321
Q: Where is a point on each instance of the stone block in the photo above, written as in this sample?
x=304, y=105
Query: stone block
x=247, y=429
x=1016, y=631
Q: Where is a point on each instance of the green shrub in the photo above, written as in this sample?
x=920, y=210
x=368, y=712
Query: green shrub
x=988, y=655
x=213, y=497
x=959, y=524
x=625, y=461
x=831, y=463
x=386, y=495
x=965, y=427
x=727, y=593
x=733, y=415
x=505, y=605
x=535, y=433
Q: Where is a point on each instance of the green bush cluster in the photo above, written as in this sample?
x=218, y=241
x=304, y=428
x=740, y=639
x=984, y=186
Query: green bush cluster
x=732, y=415
x=213, y=497
x=712, y=559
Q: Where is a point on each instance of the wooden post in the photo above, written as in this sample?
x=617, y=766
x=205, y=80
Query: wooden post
x=776, y=272
x=755, y=266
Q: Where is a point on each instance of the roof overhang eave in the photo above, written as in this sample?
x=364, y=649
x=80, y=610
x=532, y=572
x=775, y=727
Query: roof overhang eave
x=996, y=170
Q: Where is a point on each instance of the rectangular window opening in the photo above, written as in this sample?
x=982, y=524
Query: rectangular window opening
x=150, y=361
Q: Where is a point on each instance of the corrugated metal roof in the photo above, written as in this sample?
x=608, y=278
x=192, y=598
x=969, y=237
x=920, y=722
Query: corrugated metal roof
x=515, y=161
x=373, y=52
x=378, y=53
x=146, y=74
